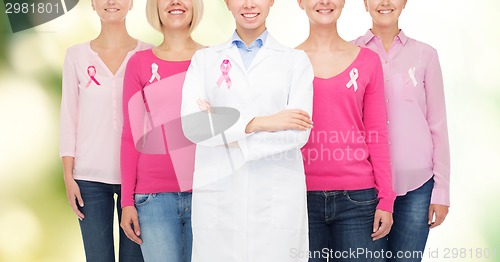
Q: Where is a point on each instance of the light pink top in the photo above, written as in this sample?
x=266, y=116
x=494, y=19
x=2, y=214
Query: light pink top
x=347, y=148
x=418, y=133
x=91, y=114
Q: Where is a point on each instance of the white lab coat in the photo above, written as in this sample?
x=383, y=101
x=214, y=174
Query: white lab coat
x=258, y=211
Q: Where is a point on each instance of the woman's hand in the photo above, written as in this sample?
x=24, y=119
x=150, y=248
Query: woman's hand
x=72, y=189
x=204, y=105
x=289, y=119
x=74, y=196
x=130, y=224
x=437, y=214
x=382, y=224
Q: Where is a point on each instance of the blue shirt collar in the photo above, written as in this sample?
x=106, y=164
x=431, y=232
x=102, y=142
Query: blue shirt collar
x=258, y=43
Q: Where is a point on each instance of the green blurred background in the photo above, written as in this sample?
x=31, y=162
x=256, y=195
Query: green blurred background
x=37, y=223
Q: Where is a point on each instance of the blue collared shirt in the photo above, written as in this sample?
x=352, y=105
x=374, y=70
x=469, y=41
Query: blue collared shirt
x=248, y=53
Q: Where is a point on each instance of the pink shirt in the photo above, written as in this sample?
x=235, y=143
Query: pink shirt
x=91, y=117
x=347, y=148
x=147, y=170
x=418, y=133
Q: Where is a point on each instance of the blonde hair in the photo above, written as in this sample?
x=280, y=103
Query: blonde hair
x=153, y=16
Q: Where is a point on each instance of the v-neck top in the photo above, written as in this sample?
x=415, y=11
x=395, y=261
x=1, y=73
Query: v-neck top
x=348, y=147
x=91, y=113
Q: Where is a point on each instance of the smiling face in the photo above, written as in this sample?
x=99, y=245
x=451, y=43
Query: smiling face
x=322, y=12
x=250, y=14
x=112, y=11
x=385, y=13
x=175, y=14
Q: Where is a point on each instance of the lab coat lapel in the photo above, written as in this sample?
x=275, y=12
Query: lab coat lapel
x=234, y=55
x=261, y=56
x=270, y=45
x=228, y=50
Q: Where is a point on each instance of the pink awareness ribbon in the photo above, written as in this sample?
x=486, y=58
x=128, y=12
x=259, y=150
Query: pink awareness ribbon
x=411, y=72
x=354, y=74
x=154, y=73
x=91, y=71
x=225, y=67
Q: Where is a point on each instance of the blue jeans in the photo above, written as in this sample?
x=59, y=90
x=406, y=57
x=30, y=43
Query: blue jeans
x=97, y=226
x=341, y=224
x=410, y=229
x=165, y=221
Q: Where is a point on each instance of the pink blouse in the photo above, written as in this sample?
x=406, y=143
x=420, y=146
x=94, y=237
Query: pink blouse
x=418, y=133
x=91, y=114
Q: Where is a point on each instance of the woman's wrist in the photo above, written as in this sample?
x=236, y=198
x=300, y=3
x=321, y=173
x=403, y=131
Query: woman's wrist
x=68, y=176
x=256, y=125
x=68, y=163
x=251, y=126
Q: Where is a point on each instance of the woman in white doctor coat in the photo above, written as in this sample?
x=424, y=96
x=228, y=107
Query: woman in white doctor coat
x=249, y=195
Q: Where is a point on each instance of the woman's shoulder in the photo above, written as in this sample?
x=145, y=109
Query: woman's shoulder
x=139, y=59
x=366, y=53
x=141, y=55
x=144, y=45
x=423, y=46
x=358, y=41
x=79, y=46
x=79, y=49
x=369, y=59
x=414, y=45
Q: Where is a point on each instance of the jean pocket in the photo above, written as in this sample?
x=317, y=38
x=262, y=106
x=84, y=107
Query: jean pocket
x=142, y=199
x=362, y=197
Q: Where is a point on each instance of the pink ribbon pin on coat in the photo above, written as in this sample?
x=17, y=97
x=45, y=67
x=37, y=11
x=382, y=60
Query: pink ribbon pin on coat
x=225, y=67
x=91, y=71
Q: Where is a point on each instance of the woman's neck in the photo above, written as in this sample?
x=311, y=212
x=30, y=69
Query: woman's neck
x=177, y=40
x=177, y=45
x=324, y=38
x=113, y=36
x=386, y=34
x=250, y=35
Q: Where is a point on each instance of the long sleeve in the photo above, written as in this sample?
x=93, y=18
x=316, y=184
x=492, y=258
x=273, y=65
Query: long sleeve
x=436, y=118
x=69, y=109
x=193, y=90
x=262, y=144
x=128, y=153
x=375, y=121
